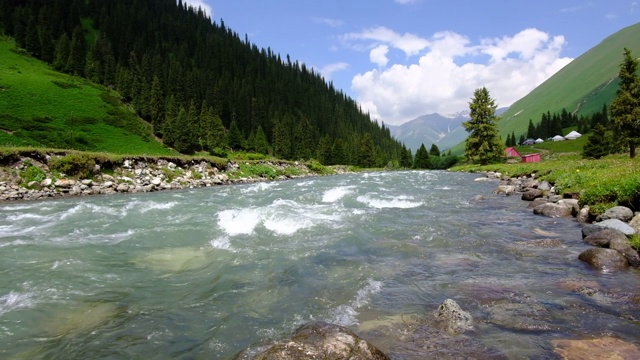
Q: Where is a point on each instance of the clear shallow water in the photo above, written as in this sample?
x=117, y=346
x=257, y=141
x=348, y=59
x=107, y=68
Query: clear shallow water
x=206, y=273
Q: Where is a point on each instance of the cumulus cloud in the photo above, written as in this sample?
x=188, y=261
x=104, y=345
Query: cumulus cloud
x=200, y=4
x=445, y=75
x=378, y=55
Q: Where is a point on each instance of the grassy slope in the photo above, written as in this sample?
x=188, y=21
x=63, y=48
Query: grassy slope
x=588, y=80
x=43, y=108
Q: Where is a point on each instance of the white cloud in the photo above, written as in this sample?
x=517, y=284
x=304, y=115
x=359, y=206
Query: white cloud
x=329, y=69
x=200, y=3
x=409, y=43
x=378, y=55
x=444, y=77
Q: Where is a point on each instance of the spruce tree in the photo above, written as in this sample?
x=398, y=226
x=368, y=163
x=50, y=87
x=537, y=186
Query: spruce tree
x=531, y=130
x=282, y=139
x=235, y=138
x=422, y=158
x=483, y=144
x=625, y=108
x=434, y=151
x=61, y=53
x=367, y=152
x=598, y=144
x=406, y=160
x=32, y=40
x=77, y=53
x=260, y=143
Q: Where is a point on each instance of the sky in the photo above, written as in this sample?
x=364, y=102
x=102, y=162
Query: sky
x=401, y=59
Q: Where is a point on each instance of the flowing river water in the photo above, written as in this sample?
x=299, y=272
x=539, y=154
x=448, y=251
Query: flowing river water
x=206, y=273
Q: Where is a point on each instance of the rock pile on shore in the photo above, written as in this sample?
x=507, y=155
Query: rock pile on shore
x=129, y=176
x=609, y=232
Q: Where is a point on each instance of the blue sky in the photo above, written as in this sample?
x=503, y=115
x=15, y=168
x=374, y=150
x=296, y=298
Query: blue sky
x=404, y=58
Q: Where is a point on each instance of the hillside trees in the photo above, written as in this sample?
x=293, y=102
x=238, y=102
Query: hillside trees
x=483, y=144
x=157, y=52
x=625, y=108
x=422, y=158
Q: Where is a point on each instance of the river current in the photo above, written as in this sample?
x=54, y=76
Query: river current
x=206, y=273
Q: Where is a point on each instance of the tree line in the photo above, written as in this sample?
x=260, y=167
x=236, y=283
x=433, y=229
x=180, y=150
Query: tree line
x=201, y=86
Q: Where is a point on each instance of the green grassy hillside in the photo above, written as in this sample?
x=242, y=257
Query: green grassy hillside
x=583, y=85
x=44, y=108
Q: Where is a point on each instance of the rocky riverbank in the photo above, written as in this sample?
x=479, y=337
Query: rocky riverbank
x=610, y=232
x=37, y=176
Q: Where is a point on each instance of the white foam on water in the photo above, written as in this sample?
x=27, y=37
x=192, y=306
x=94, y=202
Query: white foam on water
x=257, y=187
x=27, y=216
x=92, y=208
x=346, y=315
x=283, y=225
x=80, y=236
x=401, y=202
x=239, y=222
x=15, y=300
x=222, y=243
x=337, y=193
x=306, y=183
x=145, y=206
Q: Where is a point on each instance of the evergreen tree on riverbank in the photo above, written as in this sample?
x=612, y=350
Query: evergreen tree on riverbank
x=483, y=144
x=625, y=108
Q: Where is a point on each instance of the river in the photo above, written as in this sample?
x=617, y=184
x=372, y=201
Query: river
x=206, y=273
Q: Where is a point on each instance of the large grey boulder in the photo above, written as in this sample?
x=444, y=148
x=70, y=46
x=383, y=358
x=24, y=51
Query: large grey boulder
x=506, y=189
x=453, y=319
x=635, y=223
x=608, y=224
x=623, y=246
x=617, y=212
x=536, y=202
x=318, y=340
x=604, y=259
x=552, y=210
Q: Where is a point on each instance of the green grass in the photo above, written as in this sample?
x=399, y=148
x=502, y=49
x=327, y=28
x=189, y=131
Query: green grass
x=613, y=180
x=43, y=108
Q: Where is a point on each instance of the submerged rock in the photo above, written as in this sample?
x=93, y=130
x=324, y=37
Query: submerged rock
x=318, y=340
x=604, y=259
x=601, y=348
x=453, y=318
x=603, y=237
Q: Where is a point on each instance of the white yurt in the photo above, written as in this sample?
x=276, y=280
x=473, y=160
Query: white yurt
x=573, y=135
x=538, y=141
x=558, y=138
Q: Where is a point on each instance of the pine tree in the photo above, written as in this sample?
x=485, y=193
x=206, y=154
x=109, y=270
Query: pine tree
x=339, y=153
x=32, y=40
x=531, y=130
x=235, y=139
x=598, y=144
x=156, y=104
x=625, y=108
x=483, y=144
x=324, y=150
x=406, y=159
x=366, y=152
x=61, y=54
x=434, y=151
x=422, y=160
x=77, y=53
x=260, y=143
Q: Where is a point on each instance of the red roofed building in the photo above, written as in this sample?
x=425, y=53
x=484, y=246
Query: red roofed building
x=512, y=152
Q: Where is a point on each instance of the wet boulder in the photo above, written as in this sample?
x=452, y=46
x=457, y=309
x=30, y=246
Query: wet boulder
x=635, y=223
x=532, y=194
x=604, y=259
x=617, y=212
x=318, y=340
x=506, y=189
x=453, y=318
x=623, y=246
x=536, y=202
x=603, y=237
x=553, y=210
x=607, y=224
x=583, y=215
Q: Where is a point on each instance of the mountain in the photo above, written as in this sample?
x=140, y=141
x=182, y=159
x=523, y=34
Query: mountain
x=197, y=84
x=443, y=130
x=581, y=87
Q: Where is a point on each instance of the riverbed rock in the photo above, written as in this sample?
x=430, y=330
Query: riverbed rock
x=618, y=225
x=537, y=202
x=604, y=259
x=544, y=186
x=583, y=215
x=635, y=223
x=532, y=194
x=318, y=340
x=506, y=189
x=623, y=246
x=453, y=318
x=600, y=348
x=621, y=213
x=553, y=210
x=572, y=204
x=603, y=237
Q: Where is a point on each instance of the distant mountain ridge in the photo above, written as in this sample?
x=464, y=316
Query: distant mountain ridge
x=443, y=130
